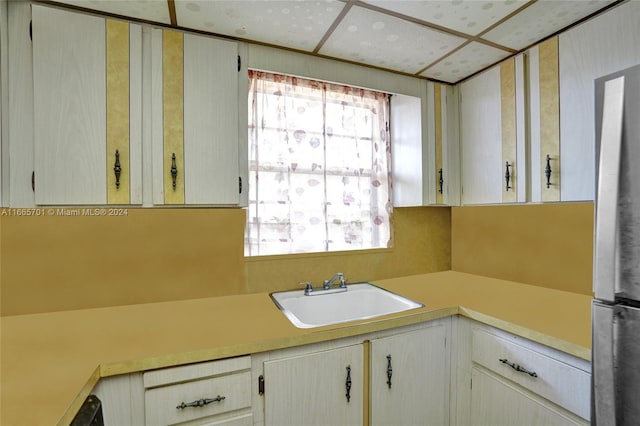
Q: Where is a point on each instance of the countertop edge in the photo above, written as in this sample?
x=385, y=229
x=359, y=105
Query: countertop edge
x=77, y=402
x=527, y=333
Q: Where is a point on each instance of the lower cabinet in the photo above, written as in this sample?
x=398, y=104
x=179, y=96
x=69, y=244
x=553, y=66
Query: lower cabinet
x=409, y=378
x=503, y=379
x=450, y=371
x=395, y=377
x=496, y=401
x=207, y=393
x=321, y=388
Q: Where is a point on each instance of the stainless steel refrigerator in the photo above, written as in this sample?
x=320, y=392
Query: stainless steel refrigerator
x=615, y=389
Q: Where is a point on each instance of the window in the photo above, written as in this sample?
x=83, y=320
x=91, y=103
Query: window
x=319, y=167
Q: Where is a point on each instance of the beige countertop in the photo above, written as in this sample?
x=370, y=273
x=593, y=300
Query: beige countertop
x=50, y=362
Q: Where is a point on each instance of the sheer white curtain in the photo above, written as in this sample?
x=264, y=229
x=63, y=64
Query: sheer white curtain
x=319, y=167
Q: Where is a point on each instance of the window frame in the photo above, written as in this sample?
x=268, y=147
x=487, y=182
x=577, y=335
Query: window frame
x=388, y=202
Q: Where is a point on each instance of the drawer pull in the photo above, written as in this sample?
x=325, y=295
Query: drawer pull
x=200, y=402
x=389, y=371
x=517, y=367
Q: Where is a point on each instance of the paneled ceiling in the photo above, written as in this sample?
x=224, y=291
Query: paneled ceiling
x=440, y=40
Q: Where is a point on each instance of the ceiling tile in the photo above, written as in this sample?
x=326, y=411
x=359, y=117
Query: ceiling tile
x=384, y=41
x=148, y=10
x=470, y=17
x=466, y=61
x=294, y=24
x=541, y=20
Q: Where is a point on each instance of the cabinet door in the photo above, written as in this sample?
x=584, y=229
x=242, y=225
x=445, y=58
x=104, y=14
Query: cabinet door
x=195, y=119
x=424, y=143
x=409, y=378
x=312, y=389
x=86, y=79
x=481, y=139
x=600, y=46
x=493, y=135
x=496, y=402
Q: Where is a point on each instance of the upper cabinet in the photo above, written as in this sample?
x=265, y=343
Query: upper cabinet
x=123, y=113
x=492, y=135
x=528, y=124
x=87, y=109
x=598, y=47
x=195, y=119
x=425, y=148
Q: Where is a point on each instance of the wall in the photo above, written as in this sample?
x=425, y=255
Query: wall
x=550, y=245
x=56, y=262
x=422, y=244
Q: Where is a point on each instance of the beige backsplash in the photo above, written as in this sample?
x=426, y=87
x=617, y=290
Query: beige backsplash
x=550, y=245
x=58, y=263
x=55, y=263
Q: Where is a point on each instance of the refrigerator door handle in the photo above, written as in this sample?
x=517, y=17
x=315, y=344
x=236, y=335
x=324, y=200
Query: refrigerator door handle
x=607, y=201
x=603, y=389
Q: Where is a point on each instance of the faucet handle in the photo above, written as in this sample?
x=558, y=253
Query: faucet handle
x=308, y=287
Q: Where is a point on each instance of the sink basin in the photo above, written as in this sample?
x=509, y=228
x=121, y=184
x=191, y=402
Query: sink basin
x=360, y=301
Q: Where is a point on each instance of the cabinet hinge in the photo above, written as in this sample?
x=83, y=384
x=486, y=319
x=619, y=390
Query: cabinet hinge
x=261, y=385
x=239, y=63
x=239, y=184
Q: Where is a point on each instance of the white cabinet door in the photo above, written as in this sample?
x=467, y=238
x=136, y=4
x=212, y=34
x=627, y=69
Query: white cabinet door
x=410, y=379
x=497, y=402
x=210, y=120
x=425, y=147
x=86, y=82
x=481, y=143
x=492, y=135
x=312, y=389
x=408, y=167
x=195, y=119
x=598, y=47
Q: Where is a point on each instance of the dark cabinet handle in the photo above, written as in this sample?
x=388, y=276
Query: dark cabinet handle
x=507, y=175
x=200, y=402
x=389, y=371
x=440, y=180
x=117, y=169
x=547, y=171
x=174, y=170
x=347, y=384
x=517, y=367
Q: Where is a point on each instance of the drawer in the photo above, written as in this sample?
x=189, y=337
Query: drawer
x=161, y=403
x=200, y=370
x=168, y=388
x=554, y=380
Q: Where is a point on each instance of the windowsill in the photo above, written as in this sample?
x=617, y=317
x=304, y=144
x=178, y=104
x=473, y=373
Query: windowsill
x=342, y=253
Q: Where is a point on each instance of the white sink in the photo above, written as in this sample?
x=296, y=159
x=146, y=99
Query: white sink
x=360, y=301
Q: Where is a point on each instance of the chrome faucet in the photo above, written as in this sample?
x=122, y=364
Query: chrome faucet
x=326, y=286
x=328, y=283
